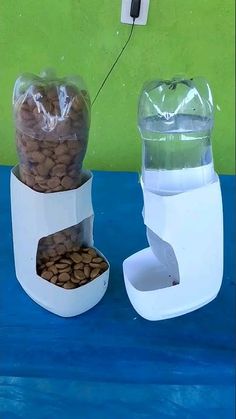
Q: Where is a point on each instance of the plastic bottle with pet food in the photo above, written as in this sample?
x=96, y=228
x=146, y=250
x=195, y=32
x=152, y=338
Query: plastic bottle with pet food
x=52, y=119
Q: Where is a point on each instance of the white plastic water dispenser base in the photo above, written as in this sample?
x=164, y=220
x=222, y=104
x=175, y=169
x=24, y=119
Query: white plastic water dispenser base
x=36, y=215
x=190, y=227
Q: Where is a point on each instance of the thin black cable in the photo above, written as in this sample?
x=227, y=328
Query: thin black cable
x=114, y=64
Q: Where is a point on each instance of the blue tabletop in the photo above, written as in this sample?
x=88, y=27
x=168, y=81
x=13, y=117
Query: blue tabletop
x=109, y=362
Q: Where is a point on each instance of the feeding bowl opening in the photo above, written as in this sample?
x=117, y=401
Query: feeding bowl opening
x=146, y=272
x=66, y=259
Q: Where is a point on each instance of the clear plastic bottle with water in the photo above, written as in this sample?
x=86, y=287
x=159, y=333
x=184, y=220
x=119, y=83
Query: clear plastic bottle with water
x=175, y=119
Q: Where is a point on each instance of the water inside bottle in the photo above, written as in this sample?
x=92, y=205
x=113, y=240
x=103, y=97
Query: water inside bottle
x=177, y=153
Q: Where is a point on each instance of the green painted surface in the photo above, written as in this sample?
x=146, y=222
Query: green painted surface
x=84, y=36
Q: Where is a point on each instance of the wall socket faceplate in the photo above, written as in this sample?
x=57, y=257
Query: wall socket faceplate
x=125, y=12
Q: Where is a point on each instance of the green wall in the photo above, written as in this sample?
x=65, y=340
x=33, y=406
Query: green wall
x=84, y=36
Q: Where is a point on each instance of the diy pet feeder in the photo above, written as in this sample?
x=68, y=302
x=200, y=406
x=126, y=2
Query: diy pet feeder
x=183, y=267
x=51, y=201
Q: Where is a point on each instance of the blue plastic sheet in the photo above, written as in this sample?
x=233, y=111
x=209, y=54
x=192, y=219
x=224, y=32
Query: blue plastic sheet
x=109, y=362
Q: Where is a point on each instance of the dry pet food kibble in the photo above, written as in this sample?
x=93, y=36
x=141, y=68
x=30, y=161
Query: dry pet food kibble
x=66, y=272
x=52, y=118
x=57, y=244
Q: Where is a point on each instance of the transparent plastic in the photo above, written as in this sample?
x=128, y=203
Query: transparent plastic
x=65, y=241
x=52, y=120
x=175, y=119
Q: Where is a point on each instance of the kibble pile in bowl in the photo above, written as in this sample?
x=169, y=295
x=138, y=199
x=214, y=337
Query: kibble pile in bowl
x=74, y=269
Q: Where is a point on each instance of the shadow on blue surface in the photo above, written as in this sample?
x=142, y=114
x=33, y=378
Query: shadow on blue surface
x=111, y=361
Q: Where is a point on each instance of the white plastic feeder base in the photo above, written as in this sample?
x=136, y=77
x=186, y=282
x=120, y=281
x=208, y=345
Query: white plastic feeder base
x=36, y=215
x=183, y=268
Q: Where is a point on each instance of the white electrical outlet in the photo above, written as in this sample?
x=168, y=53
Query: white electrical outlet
x=125, y=12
